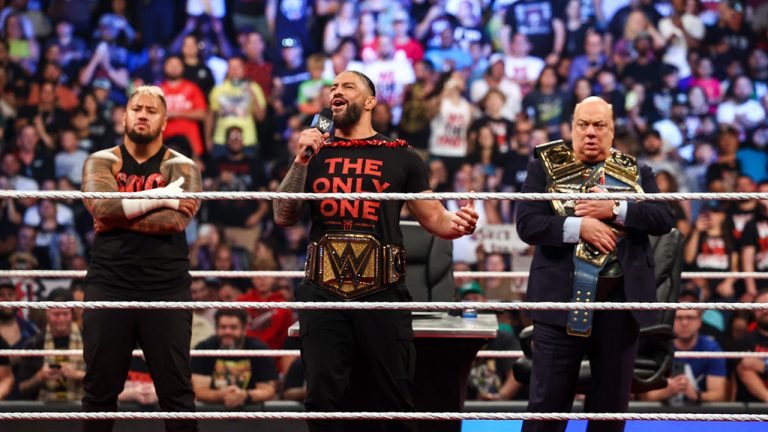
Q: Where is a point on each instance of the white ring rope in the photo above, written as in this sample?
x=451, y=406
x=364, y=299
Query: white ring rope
x=285, y=352
x=512, y=196
x=413, y=306
x=265, y=415
x=234, y=274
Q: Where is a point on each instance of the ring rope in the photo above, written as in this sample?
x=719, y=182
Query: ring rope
x=227, y=274
x=262, y=415
x=414, y=306
x=285, y=352
x=512, y=196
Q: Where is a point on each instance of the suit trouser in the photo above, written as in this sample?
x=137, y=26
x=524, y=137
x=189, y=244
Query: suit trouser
x=362, y=360
x=612, y=349
x=109, y=336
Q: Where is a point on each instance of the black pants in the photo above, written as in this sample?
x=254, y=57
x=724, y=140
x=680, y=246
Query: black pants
x=109, y=336
x=357, y=361
x=612, y=349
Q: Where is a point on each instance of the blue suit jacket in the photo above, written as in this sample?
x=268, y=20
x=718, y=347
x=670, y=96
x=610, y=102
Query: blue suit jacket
x=551, y=275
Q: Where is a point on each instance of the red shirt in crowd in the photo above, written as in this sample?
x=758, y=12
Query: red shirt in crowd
x=185, y=96
x=269, y=326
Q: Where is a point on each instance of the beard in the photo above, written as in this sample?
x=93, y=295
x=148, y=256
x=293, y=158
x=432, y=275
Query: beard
x=7, y=314
x=142, y=138
x=350, y=117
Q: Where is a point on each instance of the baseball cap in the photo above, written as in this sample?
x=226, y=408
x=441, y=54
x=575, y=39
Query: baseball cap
x=496, y=57
x=102, y=83
x=400, y=15
x=471, y=288
x=290, y=42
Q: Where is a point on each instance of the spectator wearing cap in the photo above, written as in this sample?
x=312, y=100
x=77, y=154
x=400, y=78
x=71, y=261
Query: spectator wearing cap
x=236, y=102
x=721, y=174
x=495, y=78
x=739, y=108
x=471, y=292
x=290, y=73
x=588, y=64
x=401, y=37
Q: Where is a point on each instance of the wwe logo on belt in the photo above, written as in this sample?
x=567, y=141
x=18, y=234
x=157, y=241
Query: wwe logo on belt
x=349, y=266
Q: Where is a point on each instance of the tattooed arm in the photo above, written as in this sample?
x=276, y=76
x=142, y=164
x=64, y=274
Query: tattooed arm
x=166, y=220
x=287, y=212
x=99, y=176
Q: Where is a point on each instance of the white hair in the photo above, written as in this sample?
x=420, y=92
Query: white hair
x=149, y=90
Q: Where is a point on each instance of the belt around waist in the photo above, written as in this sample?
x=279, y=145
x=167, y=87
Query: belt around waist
x=353, y=265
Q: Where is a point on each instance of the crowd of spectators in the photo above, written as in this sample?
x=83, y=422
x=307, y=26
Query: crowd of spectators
x=473, y=85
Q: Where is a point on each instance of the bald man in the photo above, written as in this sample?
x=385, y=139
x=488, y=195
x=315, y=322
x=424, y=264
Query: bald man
x=602, y=248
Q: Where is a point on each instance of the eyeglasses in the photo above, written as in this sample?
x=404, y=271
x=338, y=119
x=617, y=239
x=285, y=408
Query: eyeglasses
x=599, y=126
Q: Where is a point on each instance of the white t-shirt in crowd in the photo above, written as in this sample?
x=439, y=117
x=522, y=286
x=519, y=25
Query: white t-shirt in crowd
x=449, y=129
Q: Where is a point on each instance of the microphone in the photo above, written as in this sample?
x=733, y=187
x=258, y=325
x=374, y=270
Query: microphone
x=324, y=123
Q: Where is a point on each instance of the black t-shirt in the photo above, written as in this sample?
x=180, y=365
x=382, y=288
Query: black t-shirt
x=372, y=168
x=534, y=18
x=488, y=374
x=756, y=234
x=41, y=168
x=515, y=171
x=134, y=265
x=738, y=220
x=244, y=372
x=436, y=28
x=201, y=75
x=502, y=129
x=292, y=79
x=546, y=110
x=725, y=172
x=247, y=175
x=648, y=74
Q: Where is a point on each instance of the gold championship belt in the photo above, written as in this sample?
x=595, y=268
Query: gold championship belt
x=567, y=174
x=353, y=265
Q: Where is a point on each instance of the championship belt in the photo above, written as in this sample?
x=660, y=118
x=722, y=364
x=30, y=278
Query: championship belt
x=567, y=174
x=352, y=265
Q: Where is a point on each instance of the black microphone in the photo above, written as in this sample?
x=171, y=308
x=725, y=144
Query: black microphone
x=324, y=123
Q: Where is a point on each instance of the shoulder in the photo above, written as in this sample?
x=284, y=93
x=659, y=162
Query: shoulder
x=112, y=155
x=210, y=343
x=708, y=343
x=172, y=157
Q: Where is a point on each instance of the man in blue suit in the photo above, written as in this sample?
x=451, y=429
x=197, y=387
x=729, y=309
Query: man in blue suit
x=588, y=251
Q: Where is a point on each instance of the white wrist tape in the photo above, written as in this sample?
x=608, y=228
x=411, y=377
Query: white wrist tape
x=134, y=208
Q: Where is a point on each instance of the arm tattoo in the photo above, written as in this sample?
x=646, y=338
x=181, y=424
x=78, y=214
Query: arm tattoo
x=168, y=221
x=98, y=177
x=287, y=211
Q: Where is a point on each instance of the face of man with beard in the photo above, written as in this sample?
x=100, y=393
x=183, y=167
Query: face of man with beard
x=350, y=96
x=230, y=331
x=173, y=68
x=144, y=120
